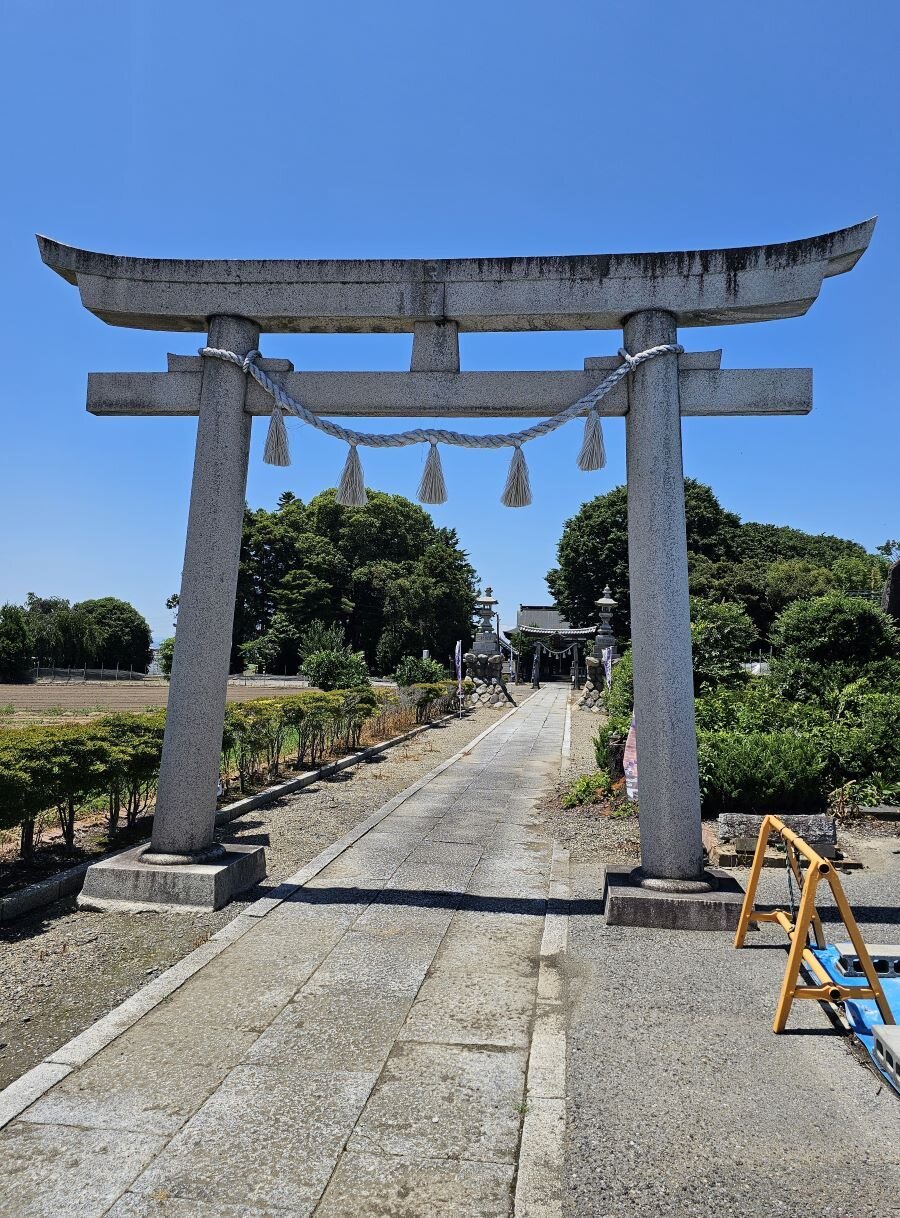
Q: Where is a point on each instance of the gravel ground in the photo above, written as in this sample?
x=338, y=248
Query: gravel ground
x=585, y=831
x=61, y=969
x=681, y=1101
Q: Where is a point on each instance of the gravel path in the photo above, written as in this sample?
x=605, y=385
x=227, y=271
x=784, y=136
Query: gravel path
x=61, y=969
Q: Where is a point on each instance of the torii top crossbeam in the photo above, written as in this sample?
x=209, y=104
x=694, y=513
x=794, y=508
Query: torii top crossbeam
x=549, y=292
x=648, y=296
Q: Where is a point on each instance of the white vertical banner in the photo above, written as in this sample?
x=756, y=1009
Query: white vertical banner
x=457, y=659
x=630, y=763
x=606, y=655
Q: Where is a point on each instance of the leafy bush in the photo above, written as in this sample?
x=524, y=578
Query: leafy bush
x=587, y=790
x=318, y=636
x=329, y=670
x=413, y=670
x=835, y=629
x=827, y=643
x=64, y=769
x=429, y=696
x=760, y=772
x=619, y=697
x=165, y=655
x=722, y=636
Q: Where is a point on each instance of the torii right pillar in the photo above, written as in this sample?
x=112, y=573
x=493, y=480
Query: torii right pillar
x=668, y=782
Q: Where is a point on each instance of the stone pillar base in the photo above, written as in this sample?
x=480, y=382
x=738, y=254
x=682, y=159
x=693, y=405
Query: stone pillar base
x=590, y=699
x=627, y=903
x=487, y=693
x=124, y=882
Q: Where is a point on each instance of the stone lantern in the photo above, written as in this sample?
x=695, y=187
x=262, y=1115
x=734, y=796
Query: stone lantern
x=605, y=637
x=486, y=639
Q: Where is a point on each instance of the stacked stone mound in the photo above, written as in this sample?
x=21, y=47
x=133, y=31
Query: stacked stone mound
x=486, y=674
x=593, y=687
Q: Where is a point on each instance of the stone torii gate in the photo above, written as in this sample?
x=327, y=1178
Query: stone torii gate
x=648, y=296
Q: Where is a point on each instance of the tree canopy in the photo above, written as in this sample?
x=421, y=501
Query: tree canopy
x=121, y=636
x=395, y=581
x=761, y=567
x=593, y=550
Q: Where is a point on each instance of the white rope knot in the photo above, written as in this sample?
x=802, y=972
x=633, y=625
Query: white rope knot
x=517, y=493
x=631, y=360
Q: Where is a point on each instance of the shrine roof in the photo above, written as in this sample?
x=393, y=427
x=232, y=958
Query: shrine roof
x=544, y=292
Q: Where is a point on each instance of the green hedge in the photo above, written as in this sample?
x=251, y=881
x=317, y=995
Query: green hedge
x=113, y=761
x=760, y=772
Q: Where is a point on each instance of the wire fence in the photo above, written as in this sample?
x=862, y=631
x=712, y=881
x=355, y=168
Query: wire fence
x=68, y=676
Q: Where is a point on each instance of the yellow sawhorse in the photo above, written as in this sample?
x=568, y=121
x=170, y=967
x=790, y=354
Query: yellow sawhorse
x=797, y=931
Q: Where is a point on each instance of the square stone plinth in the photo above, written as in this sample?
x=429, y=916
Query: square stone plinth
x=124, y=882
x=627, y=904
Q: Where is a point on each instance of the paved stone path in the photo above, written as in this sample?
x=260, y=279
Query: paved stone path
x=360, y=1050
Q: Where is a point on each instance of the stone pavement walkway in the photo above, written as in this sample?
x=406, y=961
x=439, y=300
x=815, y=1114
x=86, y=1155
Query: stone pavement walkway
x=359, y=1050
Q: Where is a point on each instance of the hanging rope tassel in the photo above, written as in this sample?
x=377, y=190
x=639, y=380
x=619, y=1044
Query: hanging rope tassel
x=351, y=491
x=593, y=452
x=517, y=492
x=277, y=450
x=432, y=487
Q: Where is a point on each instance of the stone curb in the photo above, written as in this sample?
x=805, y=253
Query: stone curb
x=566, y=758
x=45, y=892
x=24, y=1091
x=540, y=1166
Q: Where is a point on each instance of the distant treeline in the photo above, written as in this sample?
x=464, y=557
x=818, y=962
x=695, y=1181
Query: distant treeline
x=50, y=630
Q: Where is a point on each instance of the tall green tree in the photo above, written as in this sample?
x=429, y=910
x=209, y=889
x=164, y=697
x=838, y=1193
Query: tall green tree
x=60, y=633
x=593, y=550
x=385, y=572
x=121, y=636
x=15, y=645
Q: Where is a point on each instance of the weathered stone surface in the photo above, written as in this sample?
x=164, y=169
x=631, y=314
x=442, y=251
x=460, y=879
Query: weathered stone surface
x=890, y=597
x=660, y=613
x=133, y=1205
x=45, y=1171
x=472, y=1006
x=270, y=1135
x=445, y=1102
x=126, y=882
x=379, y=1186
x=627, y=904
x=504, y=395
x=592, y=292
x=742, y=828
x=184, y=819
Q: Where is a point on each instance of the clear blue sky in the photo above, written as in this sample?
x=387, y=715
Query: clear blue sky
x=354, y=129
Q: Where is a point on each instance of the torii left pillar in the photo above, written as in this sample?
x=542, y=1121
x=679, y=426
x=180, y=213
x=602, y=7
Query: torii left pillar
x=184, y=865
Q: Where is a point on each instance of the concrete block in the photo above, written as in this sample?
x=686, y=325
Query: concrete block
x=539, y=1182
x=125, y=882
x=627, y=904
x=27, y=899
x=887, y=1050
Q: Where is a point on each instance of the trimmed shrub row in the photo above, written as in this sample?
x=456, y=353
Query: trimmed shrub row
x=113, y=762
